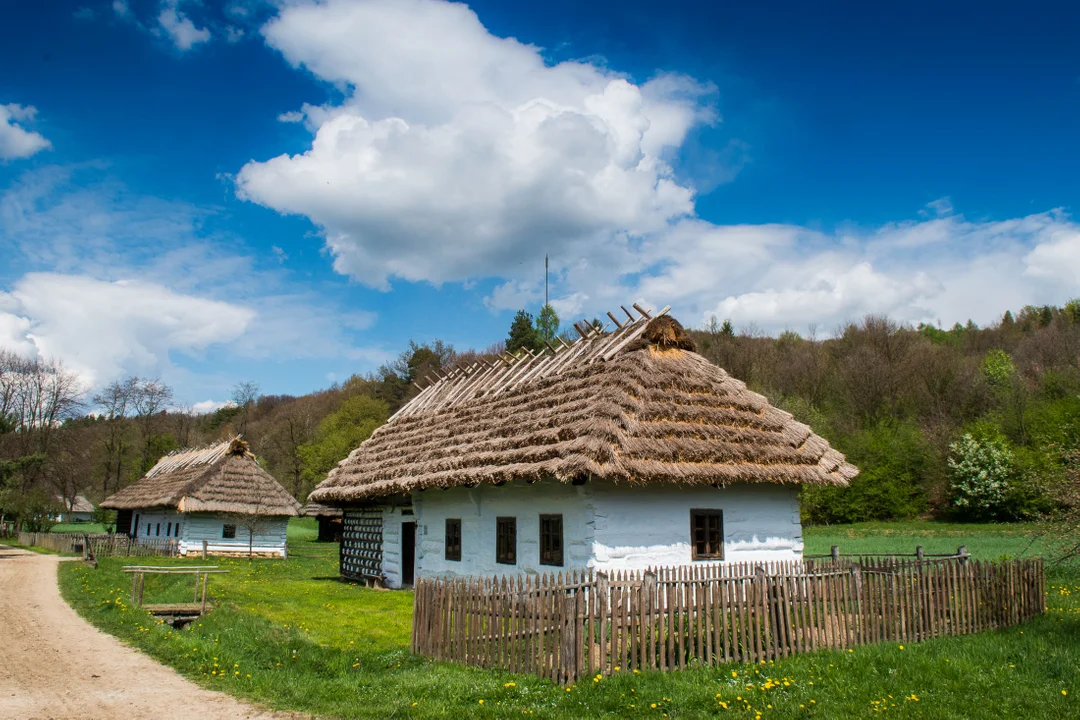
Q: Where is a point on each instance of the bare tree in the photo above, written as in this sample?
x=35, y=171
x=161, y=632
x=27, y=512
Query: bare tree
x=244, y=394
x=116, y=400
x=151, y=398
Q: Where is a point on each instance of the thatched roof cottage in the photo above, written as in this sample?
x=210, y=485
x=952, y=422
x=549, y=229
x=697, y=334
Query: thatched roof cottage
x=329, y=519
x=217, y=494
x=621, y=450
x=75, y=510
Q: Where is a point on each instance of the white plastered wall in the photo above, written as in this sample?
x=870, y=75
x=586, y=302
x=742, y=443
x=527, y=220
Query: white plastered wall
x=196, y=527
x=269, y=538
x=605, y=526
x=478, y=508
x=638, y=527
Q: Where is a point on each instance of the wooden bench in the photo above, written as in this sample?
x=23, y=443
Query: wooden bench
x=202, y=575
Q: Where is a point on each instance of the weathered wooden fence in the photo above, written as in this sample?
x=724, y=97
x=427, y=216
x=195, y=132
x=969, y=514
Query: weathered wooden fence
x=562, y=627
x=102, y=544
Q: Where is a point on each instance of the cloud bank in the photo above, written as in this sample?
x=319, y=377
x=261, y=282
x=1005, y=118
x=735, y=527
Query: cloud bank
x=458, y=155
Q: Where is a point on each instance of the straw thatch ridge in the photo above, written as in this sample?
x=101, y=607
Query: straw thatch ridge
x=313, y=509
x=650, y=411
x=222, y=478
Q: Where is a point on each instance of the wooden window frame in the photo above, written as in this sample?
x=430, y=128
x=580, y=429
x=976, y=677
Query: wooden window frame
x=550, y=555
x=225, y=535
x=716, y=553
x=452, y=539
x=506, y=540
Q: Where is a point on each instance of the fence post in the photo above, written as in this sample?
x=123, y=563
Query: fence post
x=571, y=647
x=858, y=621
x=602, y=591
x=919, y=553
x=962, y=554
x=203, y=549
x=834, y=551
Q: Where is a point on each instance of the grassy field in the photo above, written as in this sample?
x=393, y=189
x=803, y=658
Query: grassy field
x=291, y=635
x=86, y=527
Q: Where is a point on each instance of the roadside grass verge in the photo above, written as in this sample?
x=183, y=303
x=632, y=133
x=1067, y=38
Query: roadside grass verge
x=290, y=635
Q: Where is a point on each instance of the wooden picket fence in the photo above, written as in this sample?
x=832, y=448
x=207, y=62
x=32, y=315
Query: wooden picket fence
x=563, y=627
x=103, y=544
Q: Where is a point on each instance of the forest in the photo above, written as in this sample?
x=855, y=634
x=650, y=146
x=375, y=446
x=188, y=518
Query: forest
x=967, y=423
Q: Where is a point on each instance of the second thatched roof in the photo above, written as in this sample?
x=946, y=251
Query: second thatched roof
x=222, y=478
x=634, y=406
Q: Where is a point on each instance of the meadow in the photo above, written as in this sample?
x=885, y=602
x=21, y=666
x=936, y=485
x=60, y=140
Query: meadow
x=289, y=634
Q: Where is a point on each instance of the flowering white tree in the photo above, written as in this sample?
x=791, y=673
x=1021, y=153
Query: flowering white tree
x=980, y=475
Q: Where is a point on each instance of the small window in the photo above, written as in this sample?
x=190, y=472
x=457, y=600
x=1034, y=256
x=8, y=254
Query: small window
x=176, y=530
x=158, y=530
x=135, y=526
x=148, y=527
x=551, y=540
x=707, y=534
x=506, y=540
x=168, y=530
x=453, y=539
x=228, y=531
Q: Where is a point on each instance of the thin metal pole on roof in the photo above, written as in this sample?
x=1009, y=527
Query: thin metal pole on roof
x=545, y=280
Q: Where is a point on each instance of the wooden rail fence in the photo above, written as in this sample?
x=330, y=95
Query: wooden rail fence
x=563, y=627
x=102, y=544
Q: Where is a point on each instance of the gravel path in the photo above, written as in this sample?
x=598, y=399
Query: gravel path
x=54, y=665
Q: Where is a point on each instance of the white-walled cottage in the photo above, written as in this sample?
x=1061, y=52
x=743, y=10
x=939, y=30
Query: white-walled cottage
x=216, y=494
x=621, y=450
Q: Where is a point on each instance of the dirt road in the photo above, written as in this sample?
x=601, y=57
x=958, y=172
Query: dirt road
x=54, y=665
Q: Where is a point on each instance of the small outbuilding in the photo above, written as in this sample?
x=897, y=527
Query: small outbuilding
x=217, y=494
x=75, y=510
x=622, y=450
x=329, y=519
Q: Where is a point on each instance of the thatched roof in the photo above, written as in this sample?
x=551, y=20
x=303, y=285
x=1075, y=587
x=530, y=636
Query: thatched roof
x=79, y=505
x=633, y=406
x=313, y=509
x=222, y=478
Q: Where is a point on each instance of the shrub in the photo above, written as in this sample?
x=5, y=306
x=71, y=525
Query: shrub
x=981, y=471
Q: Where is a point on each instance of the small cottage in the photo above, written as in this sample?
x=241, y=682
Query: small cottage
x=622, y=450
x=329, y=519
x=75, y=510
x=216, y=494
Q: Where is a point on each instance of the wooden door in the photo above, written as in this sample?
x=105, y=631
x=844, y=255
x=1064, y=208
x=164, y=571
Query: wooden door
x=408, y=553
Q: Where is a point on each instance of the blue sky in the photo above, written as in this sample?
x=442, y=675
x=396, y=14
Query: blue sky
x=288, y=192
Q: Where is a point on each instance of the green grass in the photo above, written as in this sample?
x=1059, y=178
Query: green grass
x=290, y=635
x=86, y=527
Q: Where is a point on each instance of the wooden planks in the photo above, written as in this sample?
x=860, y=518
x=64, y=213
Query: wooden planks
x=582, y=623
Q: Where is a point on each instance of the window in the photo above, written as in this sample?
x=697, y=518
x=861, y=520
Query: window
x=707, y=534
x=176, y=530
x=453, y=539
x=148, y=526
x=135, y=525
x=158, y=530
x=506, y=540
x=228, y=531
x=551, y=544
x=168, y=530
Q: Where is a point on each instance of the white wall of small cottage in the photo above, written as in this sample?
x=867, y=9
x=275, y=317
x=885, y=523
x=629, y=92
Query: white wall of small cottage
x=478, y=509
x=605, y=526
x=196, y=527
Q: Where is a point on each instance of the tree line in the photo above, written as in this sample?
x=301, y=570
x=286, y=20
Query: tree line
x=964, y=423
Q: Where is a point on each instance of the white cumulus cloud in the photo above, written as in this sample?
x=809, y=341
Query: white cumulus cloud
x=457, y=153
x=179, y=28
x=15, y=140
x=102, y=329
